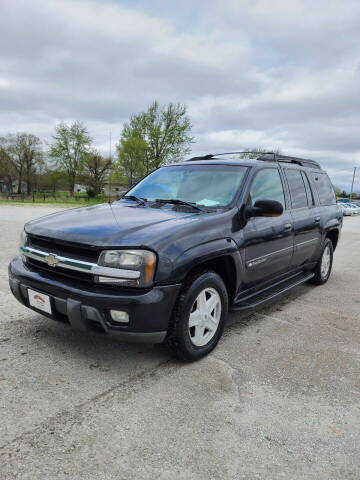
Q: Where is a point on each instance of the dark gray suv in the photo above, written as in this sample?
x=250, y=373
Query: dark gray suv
x=188, y=243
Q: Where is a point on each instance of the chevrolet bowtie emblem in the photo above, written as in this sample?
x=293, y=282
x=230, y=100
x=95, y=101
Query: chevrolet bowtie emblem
x=51, y=260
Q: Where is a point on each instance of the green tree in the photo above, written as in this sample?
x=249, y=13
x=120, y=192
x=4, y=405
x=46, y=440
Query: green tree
x=337, y=191
x=30, y=145
x=132, y=160
x=8, y=172
x=165, y=131
x=25, y=153
x=256, y=151
x=53, y=179
x=96, y=169
x=70, y=145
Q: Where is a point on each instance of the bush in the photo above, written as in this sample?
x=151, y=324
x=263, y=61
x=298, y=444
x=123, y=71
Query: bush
x=90, y=192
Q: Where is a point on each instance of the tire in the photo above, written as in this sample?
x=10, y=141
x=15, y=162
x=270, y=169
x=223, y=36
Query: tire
x=323, y=270
x=199, y=316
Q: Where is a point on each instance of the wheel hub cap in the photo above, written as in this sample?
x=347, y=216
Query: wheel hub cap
x=204, y=317
x=325, y=262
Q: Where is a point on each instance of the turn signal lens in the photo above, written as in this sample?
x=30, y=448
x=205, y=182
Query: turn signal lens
x=150, y=269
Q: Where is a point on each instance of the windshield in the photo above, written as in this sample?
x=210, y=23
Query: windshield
x=207, y=185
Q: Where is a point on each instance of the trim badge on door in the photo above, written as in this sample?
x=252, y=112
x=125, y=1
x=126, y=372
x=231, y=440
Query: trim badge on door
x=256, y=262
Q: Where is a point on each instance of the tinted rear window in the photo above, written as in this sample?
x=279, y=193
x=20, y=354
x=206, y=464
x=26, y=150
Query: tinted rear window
x=298, y=195
x=324, y=188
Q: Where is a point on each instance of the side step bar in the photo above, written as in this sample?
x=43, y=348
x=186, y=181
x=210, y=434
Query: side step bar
x=263, y=296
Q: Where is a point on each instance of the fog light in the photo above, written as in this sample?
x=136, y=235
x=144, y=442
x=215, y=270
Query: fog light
x=119, y=316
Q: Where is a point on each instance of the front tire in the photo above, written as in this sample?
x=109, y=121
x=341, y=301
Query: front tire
x=199, y=316
x=324, y=265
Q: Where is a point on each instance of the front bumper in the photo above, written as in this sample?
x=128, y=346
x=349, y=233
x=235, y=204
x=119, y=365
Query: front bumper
x=86, y=307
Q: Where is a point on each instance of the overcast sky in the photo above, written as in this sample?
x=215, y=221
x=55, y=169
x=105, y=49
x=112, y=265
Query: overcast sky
x=275, y=74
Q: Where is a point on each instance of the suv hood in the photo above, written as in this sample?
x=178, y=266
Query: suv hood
x=110, y=224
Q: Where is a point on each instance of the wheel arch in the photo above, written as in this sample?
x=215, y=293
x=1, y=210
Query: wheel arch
x=224, y=266
x=333, y=235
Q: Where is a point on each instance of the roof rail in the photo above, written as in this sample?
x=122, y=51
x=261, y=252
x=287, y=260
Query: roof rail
x=304, y=162
x=265, y=157
x=210, y=156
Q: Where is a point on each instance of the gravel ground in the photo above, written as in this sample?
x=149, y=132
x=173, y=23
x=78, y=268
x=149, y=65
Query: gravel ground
x=278, y=398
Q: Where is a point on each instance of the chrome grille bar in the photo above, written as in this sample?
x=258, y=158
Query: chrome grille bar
x=77, y=265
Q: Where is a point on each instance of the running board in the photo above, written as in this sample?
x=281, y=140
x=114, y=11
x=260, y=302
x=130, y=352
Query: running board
x=261, y=297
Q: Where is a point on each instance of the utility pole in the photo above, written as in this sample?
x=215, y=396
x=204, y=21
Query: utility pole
x=110, y=171
x=352, y=183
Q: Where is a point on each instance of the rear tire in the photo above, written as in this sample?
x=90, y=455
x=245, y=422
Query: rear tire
x=199, y=316
x=324, y=265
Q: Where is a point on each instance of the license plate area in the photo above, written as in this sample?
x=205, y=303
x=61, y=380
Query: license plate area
x=39, y=300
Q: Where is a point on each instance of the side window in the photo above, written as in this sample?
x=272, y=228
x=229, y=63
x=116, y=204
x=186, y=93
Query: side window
x=297, y=188
x=267, y=185
x=309, y=193
x=324, y=188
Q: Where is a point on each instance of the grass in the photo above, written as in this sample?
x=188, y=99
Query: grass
x=39, y=203
x=71, y=202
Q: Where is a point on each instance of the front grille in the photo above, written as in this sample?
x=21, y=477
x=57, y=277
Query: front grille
x=66, y=249
x=56, y=272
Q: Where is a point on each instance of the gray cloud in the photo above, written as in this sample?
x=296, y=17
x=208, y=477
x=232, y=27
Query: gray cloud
x=253, y=73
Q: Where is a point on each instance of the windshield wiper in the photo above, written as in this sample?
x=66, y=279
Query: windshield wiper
x=176, y=201
x=139, y=200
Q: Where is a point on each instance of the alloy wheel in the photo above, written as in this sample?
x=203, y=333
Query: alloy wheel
x=204, y=317
x=325, y=262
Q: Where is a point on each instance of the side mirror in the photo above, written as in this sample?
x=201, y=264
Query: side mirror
x=264, y=208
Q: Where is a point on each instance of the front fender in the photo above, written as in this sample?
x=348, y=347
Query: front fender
x=331, y=224
x=205, y=252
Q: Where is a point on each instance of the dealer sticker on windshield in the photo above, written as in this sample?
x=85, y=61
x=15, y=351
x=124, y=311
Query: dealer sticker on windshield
x=39, y=300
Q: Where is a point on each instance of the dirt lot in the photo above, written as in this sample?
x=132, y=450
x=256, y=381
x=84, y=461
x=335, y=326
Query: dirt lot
x=278, y=398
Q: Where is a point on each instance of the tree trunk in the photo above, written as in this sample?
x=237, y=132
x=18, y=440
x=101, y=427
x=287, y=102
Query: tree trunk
x=72, y=183
x=19, y=181
x=28, y=184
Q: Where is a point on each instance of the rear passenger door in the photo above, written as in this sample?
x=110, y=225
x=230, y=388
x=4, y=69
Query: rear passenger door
x=305, y=217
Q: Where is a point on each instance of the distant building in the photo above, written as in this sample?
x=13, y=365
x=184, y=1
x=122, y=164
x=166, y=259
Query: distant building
x=5, y=187
x=80, y=188
x=114, y=190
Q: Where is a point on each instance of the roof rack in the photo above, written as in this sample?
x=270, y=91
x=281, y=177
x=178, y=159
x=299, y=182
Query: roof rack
x=265, y=157
x=274, y=157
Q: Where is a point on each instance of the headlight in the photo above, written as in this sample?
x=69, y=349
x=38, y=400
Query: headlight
x=23, y=239
x=142, y=261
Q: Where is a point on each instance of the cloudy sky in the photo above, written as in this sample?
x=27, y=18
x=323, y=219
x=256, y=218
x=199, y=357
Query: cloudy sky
x=276, y=74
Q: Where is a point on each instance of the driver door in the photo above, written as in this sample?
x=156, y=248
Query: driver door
x=268, y=241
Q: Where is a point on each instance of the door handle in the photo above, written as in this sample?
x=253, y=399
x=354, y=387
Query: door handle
x=317, y=219
x=287, y=227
